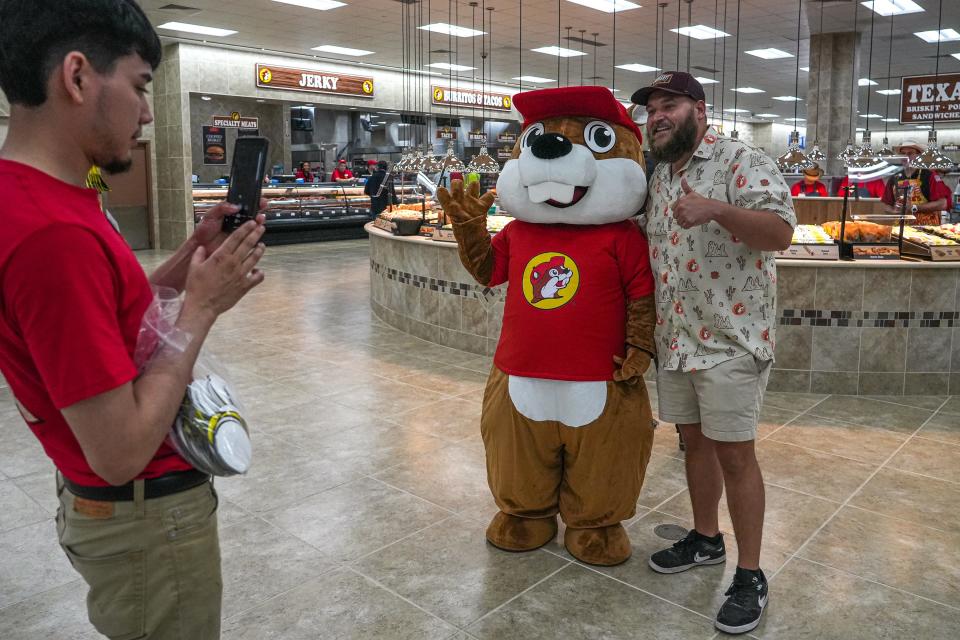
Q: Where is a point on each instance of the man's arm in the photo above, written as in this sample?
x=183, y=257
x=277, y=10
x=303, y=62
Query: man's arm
x=120, y=430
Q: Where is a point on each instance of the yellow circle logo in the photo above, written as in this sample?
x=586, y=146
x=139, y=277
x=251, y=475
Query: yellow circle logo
x=550, y=280
x=507, y=102
x=266, y=76
x=438, y=94
x=368, y=87
x=235, y=116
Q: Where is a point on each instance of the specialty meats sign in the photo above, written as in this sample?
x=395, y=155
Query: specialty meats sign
x=273, y=77
x=928, y=98
x=472, y=99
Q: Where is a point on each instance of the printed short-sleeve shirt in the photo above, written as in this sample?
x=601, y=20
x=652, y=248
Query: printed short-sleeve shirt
x=716, y=297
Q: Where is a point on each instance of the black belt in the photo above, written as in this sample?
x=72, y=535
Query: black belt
x=152, y=488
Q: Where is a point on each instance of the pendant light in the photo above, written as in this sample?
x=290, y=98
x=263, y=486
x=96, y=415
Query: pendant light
x=816, y=154
x=402, y=165
x=451, y=163
x=850, y=152
x=723, y=73
x=931, y=158
x=483, y=163
x=794, y=160
x=886, y=151
x=734, y=134
x=865, y=153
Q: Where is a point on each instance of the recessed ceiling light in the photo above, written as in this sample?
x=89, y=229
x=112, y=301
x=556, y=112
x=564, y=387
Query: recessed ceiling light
x=322, y=5
x=889, y=120
x=607, y=6
x=747, y=90
x=804, y=68
x=866, y=82
x=944, y=35
x=423, y=72
x=451, y=67
x=196, y=28
x=737, y=110
x=956, y=55
x=767, y=115
x=860, y=129
x=703, y=80
x=345, y=51
x=787, y=98
x=769, y=54
x=892, y=7
x=870, y=115
x=637, y=67
x=889, y=92
x=701, y=32
x=537, y=79
x=452, y=30
x=208, y=98
x=260, y=100
x=795, y=119
x=559, y=51
x=922, y=126
x=388, y=113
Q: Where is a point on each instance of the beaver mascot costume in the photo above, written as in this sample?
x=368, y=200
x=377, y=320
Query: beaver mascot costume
x=566, y=419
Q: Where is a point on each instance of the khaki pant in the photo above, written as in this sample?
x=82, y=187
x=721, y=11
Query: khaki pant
x=591, y=475
x=153, y=566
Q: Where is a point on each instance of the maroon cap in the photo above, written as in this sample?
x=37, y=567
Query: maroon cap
x=677, y=82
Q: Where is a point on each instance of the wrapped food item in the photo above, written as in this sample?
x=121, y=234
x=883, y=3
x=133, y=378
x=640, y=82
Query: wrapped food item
x=210, y=431
x=811, y=234
x=926, y=239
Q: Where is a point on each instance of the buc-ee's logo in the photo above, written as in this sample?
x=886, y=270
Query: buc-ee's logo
x=367, y=87
x=438, y=94
x=550, y=280
x=266, y=75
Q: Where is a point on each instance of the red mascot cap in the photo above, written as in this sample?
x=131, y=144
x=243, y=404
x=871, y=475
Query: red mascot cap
x=588, y=102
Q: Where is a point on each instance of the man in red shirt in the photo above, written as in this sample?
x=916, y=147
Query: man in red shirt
x=136, y=520
x=810, y=186
x=341, y=173
x=928, y=194
x=869, y=189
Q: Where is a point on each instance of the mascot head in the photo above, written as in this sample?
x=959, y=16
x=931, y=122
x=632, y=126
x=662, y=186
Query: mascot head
x=578, y=161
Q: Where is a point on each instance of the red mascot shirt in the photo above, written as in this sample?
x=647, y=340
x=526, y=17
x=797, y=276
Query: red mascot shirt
x=566, y=310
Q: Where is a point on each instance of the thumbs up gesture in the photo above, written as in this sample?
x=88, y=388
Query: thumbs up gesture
x=692, y=209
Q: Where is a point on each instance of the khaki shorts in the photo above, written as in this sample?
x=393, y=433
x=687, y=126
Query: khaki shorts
x=152, y=566
x=725, y=400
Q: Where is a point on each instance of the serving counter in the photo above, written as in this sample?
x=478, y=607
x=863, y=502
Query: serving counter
x=867, y=328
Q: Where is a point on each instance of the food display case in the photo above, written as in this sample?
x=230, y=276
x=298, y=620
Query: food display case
x=308, y=212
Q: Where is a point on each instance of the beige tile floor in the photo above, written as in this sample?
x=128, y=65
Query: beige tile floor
x=363, y=516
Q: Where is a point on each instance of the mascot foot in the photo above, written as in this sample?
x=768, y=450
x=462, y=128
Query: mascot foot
x=605, y=546
x=512, y=533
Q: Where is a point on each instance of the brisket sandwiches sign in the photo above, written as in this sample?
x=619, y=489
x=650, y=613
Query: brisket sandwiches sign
x=929, y=98
x=313, y=81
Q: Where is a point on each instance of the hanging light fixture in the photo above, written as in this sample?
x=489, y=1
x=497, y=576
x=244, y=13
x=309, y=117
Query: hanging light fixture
x=795, y=160
x=885, y=150
x=865, y=152
x=816, y=154
x=850, y=152
x=931, y=158
x=451, y=163
x=734, y=134
x=483, y=163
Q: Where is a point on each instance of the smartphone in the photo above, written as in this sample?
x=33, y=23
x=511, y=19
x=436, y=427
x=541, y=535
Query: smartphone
x=246, y=179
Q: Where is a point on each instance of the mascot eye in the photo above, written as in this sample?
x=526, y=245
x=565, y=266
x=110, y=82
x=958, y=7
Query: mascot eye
x=531, y=134
x=599, y=136
x=554, y=273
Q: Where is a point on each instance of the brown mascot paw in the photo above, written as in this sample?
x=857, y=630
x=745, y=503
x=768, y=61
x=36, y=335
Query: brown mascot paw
x=512, y=533
x=605, y=546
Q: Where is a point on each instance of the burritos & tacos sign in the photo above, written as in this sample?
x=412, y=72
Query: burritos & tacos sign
x=928, y=98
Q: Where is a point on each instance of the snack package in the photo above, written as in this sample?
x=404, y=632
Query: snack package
x=210, y=431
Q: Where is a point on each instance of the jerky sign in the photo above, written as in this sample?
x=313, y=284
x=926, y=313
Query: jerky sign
x=928, y=98
x=312, y=81
x=472, y=99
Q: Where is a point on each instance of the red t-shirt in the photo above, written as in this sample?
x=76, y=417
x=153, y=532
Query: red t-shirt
x=935, y=189
x=815, y=189
x=566, y=309
x=72, y=296
x=874, y=187
x=346, y=174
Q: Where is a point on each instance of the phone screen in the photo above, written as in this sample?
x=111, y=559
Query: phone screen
x=246, y=179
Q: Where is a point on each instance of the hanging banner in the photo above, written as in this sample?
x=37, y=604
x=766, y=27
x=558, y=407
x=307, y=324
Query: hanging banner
x=929, y=98
x=214, y=145
x=507, y=138
x=312, y=81
x=446, y=134
x=471, y=98
x=236, y=121
x=505, y=153
x=477, y=136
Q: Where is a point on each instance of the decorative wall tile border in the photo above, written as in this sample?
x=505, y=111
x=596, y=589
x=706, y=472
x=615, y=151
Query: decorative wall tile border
x=436, y=284
x=876, y=319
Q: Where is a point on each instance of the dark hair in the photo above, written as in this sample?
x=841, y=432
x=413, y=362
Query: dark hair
x=382, y=165
x=35, y=35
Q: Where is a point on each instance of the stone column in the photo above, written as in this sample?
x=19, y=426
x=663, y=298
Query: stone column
x=763, y=137
x=174, y=155
x=828, y=113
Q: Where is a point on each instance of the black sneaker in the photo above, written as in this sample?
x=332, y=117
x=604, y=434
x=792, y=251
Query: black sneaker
x=692, y=551
x=746, y=599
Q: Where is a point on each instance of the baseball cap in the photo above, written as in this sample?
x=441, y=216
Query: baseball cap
x=678, y=82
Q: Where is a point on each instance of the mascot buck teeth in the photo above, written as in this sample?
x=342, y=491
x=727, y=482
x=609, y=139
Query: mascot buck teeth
x=567, y=426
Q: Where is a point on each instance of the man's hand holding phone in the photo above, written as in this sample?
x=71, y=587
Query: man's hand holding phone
x=209, y=232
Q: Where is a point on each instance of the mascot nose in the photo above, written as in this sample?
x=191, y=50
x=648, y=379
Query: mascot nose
x=549, y=146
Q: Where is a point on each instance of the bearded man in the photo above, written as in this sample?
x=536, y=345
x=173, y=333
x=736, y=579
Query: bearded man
x=716, y=212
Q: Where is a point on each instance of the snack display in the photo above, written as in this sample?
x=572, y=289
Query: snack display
x=924, y=239
x=811, y=234
x=496, y=224
x=859, y=231
x=949, y=231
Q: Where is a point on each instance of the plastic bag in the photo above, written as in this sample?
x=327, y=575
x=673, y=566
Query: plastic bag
x=210, y=431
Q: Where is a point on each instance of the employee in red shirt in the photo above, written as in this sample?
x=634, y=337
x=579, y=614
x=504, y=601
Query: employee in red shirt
x=810, y=186
x=304, y=172
x=928, y=194
x=341, y=173
x=137, y=522
x=869, y=189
